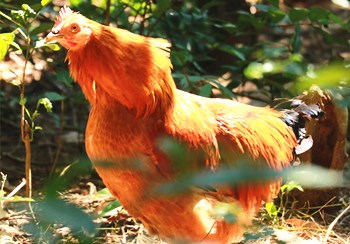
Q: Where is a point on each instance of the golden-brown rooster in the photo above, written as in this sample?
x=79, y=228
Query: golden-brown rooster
x=134, y=103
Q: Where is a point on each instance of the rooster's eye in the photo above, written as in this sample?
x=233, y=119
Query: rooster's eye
x=74, y=28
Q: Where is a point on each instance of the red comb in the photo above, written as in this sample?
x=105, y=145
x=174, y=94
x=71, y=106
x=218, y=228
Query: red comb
x=64, y=12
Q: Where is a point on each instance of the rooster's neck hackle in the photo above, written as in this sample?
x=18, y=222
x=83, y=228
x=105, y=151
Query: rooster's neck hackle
x=131, y=69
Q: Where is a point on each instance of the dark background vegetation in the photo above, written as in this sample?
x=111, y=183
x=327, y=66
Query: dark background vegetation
x=252, y=51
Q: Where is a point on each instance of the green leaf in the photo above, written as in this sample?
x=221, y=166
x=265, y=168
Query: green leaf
x=274, y=3
x=233, y=51
x=276, y=15
x=296, y=15
x=224, y=90
x=262, y=7
x=104, y=193
x=233, y=84
x=233, y=175
x=63, y=75
x=39, y=44
x=6, y=39
x=53, y=46
x=162, y=6
x=339, y=21
x=254, y=71
x=56, y=210
x=28, y=9
x=54, y=96
x=34, y=115
x=296, y=39
x=229, y=27
x=14, y=44
x=42, y=43
x=271, y=209
x=205, y=90
x=112, y=205
x=28, y=113
x=22, y=101
x=38, y=128
x=319, y=15
x=18, y=14
x=312, y=176
x=40, y=28
x=228, y=211
x=45, y=2
x=18, y=199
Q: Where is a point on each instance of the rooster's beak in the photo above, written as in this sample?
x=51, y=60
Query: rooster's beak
x=52, y=36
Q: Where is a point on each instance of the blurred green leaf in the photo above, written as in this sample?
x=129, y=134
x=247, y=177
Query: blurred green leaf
x=254, y=71
x=53, y=210
x=5, y=40
x=38, y=128
x=224, y=90
x=291, y=185
x=14, y=44
x=328, y=76
x=296, y=39
x=233, y=51
x=312, y=176
x=296, y=15
x=339, y=21
x=16, y=199
x=162, y=6
x=227, y=211
x=229, y=27
x=40, y=28
x=41, y=43
x=45, y=2
x=263, y=7
x=205, y=91
x=27, y=8
x=54, y=96
x=275, y=3
x=317, y=14
x=239, y=174
x=264, y=233
x=271, y=209
x=53, y=46
x=104, y=193
x=67, y=176
x=110, y=206
x=276, y=15
x=22, y=101
x=64, y=76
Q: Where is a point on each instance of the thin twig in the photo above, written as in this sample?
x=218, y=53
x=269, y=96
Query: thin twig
x=14, y=191
x=25, y=129
x=108, y=12
x=150, y=28
x=208, y=233
x=28, y=156
x=334, y=222
x=143, y=20
x=59, y=141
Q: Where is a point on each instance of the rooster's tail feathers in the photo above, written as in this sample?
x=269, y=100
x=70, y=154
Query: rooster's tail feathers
x=296, y=117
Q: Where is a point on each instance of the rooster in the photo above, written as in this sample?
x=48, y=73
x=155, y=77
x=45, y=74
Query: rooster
x=134, y=104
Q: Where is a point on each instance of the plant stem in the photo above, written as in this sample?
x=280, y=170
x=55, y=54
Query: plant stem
x=143, y=20
x=59, y=141
x=25, y=129
x=108, y=12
